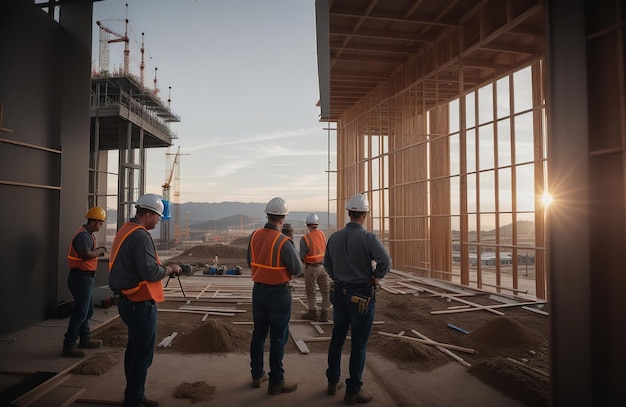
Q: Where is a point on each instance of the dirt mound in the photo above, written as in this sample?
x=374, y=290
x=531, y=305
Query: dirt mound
x=503, y=331
x=240, y=241
x=98, y=364
x=514, y=381
x=412, y=355
x=198, y=391
x=204, y=254
x=214, y=337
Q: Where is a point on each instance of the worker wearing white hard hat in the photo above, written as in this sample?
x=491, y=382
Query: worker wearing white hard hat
x=312, y=248
x=135, y=274
x=349, y=258
x=273, y=261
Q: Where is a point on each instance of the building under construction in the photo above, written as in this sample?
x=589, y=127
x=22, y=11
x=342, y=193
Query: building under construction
x=425, y=99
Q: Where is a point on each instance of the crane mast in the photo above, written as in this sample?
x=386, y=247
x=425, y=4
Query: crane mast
x=104, y=41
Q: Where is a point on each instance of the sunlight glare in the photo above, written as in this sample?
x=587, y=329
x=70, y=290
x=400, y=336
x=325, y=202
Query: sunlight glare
x=546, y=199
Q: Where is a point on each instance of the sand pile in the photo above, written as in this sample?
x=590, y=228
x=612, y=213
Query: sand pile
x=98, y=364
x=502, y=331
x=514, y=381
x=214, y=337
x=206, y=253
x=412, y=355
x=198, y=391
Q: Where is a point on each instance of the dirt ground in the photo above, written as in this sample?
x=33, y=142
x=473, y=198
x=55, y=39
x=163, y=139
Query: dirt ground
x=507, y=352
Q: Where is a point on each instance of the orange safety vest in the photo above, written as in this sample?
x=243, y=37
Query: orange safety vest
x=145, y=290
x=315, y=242
x=74, y=261
x=265, y=247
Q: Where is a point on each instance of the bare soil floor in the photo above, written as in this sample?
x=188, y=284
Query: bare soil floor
x=487, y=356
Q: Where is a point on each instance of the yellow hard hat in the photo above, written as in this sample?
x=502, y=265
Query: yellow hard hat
x=96, y=213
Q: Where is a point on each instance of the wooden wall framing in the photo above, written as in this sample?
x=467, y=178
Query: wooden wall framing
x=394, y=145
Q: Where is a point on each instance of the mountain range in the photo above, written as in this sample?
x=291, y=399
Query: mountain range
x=220, y=215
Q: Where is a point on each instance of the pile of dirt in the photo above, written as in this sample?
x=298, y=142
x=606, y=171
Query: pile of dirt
x=514, y=381
x=411, y=355
x=198, y=391
x=214, y=337
x=204, y=254
x=502, y=331
x=98, y=364
x=240, y=241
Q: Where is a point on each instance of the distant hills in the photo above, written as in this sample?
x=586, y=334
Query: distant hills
x=221, y=215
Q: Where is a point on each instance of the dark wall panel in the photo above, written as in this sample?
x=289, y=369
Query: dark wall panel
x=29, y=210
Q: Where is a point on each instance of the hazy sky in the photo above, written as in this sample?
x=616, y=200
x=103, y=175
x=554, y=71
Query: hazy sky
x=244, y=81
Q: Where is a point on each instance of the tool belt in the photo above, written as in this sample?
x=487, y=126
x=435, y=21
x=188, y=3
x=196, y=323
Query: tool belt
x=361, y=301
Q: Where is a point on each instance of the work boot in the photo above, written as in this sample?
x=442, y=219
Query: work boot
x=333, y=387
x=324, y=315
x=256, y=381
x=72, y=352
x=310, y=315
x=149, y=403
x=284, y=387
x=90, y=343
x=361, y=397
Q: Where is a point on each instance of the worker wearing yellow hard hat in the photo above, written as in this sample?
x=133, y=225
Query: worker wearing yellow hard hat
x=82, y=259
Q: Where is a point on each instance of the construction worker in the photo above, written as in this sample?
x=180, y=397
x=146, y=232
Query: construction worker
x=273, y=262
x=288, y=231
x=349, y=258
x=135, y=276
x=82, y=259
x=312, y=247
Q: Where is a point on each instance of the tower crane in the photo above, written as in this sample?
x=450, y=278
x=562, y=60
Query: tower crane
x=165, y=224
x=105, y=41
x=172, y=178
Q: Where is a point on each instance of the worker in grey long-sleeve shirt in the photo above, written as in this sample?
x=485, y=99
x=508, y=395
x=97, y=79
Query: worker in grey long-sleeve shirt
x=348, y=260
x=135, y=275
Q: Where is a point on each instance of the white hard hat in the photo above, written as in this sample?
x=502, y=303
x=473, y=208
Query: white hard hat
x=312, y=219
x=152, y=202
x=277, y=206
x=358, y=203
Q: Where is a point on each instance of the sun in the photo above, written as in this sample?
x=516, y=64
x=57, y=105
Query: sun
x=546, y=199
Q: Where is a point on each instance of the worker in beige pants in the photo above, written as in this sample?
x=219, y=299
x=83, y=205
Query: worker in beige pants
x=312, y=249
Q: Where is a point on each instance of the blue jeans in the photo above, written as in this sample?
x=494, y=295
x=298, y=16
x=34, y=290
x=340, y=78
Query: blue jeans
x=141, y=319
x=271, y=310
x=347, y=317
x=81, y=286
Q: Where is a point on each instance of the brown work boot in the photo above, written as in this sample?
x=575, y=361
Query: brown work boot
x=73, y=352
x=333, y=387
x=324, y=315
x=149, y=403
x=310, y=315
x=284, y=387
x=256, y=381
x=90, y=343
x=361, y=397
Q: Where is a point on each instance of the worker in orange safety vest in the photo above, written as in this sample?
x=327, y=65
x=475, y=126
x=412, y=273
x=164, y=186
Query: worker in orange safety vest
x=135, y=274
x=82, y=259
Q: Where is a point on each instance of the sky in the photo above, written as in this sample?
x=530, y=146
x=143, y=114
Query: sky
x=243, y=77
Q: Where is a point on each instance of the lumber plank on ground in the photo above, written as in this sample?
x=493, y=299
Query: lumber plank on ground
x=485, y=307
x=214, y=309
x=535, y=310
x=517, y=362
x=299, y=343
x=432, y=343
x=443, y=350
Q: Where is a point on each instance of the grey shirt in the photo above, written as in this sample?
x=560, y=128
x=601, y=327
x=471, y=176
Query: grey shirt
x=349, y=255
x=136, y=261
